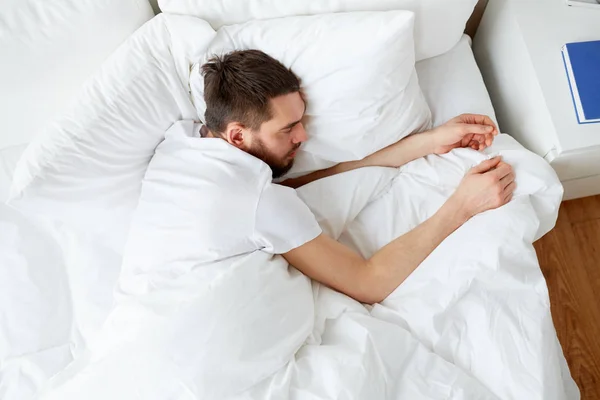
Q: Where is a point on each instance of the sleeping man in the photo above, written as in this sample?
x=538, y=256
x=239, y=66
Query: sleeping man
x=254, y=111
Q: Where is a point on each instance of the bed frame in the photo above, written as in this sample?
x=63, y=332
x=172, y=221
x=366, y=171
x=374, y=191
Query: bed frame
x=470, y=29
x=473, y=22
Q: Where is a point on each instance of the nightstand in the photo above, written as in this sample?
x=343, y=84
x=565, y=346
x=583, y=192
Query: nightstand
x=518, y=49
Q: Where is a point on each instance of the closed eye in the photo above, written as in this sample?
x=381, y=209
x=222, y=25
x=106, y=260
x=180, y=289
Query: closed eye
x=288, y=128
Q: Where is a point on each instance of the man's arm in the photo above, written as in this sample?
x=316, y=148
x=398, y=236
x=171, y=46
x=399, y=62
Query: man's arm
x=408, y=149
x=467, y=130
x=371, y=281
x=488, y=185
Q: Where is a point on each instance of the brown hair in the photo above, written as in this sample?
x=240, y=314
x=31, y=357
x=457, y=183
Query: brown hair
x=238, y=87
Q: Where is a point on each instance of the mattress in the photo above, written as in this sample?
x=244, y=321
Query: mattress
x=81, y=290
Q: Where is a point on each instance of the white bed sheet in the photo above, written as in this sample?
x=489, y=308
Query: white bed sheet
x=9, y=157
x=452, y=85
x=55, y=293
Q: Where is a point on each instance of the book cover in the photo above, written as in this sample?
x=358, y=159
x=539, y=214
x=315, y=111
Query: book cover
x=582, y=63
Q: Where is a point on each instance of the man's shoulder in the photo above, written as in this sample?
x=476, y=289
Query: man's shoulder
x=213, y=159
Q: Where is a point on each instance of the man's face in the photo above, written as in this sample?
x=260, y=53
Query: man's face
x=278, y=139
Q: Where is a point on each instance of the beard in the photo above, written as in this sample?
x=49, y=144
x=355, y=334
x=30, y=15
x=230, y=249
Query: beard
x=279, y=167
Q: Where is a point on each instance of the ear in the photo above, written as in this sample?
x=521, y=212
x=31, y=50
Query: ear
x=237, y=135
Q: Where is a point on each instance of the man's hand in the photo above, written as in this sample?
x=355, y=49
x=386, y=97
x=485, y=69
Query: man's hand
x=467, y=130
x=486, y=186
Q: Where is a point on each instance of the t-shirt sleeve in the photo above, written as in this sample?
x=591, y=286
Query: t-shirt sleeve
x=283, y=222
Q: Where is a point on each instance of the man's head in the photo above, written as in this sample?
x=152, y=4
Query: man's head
x=254, y=102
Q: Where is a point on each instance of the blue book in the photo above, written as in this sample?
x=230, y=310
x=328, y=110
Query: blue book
x=582, y=62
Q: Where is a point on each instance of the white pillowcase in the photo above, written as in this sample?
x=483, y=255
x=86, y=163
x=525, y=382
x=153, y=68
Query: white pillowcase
x=357, y=73
x=87, y=169
x=439, y=23
x=49, y=49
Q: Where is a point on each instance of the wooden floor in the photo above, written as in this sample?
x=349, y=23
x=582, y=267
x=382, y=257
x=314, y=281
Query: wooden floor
x=570, y=259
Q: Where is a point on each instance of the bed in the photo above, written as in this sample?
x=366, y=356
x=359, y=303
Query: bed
x=460, y=327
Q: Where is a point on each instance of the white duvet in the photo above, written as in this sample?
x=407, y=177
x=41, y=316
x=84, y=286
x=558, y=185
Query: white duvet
x=472, y=322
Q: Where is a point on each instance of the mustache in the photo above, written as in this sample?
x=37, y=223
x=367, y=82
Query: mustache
x=296, y=147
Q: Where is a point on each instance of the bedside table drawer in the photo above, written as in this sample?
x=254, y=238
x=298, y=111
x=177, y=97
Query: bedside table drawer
x=575, y=165
x=576, y=188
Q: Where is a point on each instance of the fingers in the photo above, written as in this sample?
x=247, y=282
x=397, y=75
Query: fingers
x=501, y=171
x=478, y=142
x=481, y=127
x=509, y=192
x=477, y=137
x=478, y=129
x=507, y=180
x=466, y=140
x=510, y=189
x=486, y=165
x=478, y=119
x=489, y=138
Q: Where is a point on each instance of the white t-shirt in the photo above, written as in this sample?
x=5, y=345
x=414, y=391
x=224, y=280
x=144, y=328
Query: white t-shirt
x=221, y=196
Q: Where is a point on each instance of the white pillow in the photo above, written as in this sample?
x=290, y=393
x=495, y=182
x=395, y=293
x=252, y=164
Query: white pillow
x=439, y=23
x=49, y=48
x=357, y=72
x=87, y=168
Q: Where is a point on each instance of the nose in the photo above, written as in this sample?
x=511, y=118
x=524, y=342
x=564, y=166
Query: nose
x=299, y=135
